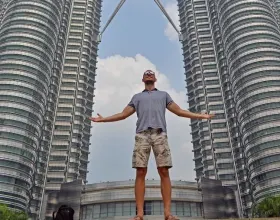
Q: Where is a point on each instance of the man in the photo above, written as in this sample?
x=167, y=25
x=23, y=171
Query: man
x=151, y=132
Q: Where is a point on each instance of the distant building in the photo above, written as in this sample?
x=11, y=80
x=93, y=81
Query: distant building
x=115, y=200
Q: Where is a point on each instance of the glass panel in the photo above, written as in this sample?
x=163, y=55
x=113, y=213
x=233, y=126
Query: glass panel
x=103, y=212
x=187, y=209
x=84, y=212
x=173, y=207
x=89, y=211
x=111, y=209
x=148, y=208
x=126, y=209
x=156, y=208
x=118, y=209
x=132, y=208
x=180, y=208
x=199, y=210
x=161, y=207
x=96, y=211
x=193, y=209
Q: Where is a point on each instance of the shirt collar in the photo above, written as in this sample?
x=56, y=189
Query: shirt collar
x=145, y=90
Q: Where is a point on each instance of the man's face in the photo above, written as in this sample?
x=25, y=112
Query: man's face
x=149, y=77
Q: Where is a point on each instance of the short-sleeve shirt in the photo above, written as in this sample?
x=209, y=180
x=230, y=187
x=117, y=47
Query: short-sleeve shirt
x=150, y=107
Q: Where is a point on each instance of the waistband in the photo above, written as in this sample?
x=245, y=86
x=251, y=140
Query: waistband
x=152, y=131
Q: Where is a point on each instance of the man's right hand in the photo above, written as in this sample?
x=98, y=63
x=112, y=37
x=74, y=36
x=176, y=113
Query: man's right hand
x=128, y=110
x=97, y=119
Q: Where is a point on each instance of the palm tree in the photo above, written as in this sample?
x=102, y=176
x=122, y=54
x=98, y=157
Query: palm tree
x=269, y=207
x=8, y=214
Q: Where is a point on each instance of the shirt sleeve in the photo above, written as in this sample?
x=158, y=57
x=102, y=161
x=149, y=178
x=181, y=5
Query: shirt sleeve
x=169, y=100
x=132, y=102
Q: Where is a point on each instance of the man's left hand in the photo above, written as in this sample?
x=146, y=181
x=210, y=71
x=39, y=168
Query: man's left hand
x=208, y=116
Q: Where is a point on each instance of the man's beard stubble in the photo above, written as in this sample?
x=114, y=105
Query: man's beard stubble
x=149, y=82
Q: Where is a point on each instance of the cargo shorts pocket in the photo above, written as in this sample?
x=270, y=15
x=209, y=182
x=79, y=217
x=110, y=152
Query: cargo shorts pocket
x=162, y=151
x=141, y=152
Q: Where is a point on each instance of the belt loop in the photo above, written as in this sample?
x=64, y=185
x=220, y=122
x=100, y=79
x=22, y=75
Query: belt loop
x=159, y=130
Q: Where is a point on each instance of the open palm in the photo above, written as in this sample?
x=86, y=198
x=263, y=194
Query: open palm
x=97, y=119
x=209, y=116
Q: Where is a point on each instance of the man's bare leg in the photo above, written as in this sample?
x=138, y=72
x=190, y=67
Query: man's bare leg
x=140, y=190
x=165, y=189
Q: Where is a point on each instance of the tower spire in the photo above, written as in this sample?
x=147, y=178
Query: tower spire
x=119, y=7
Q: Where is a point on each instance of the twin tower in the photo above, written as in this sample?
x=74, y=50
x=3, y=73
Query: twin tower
x=48, y=52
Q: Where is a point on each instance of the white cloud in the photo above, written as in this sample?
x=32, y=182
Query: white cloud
x=118, y=79
x=172, y=10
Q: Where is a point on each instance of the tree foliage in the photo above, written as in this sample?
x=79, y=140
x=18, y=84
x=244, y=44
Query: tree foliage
x=8, y=214
x=269, y=207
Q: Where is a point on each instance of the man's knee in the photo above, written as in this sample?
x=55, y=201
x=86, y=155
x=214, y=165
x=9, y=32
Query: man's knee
x=163, y=172
x=141, y=172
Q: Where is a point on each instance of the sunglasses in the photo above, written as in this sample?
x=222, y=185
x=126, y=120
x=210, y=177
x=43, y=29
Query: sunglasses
x=149, y=72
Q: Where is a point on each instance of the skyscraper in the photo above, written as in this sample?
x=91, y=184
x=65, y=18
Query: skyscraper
x=231, y=53
x=277, y=3
x=70, y=143
x=28, y=38
x=48, y=52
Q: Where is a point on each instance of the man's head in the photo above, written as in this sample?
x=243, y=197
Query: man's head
x=149, y=77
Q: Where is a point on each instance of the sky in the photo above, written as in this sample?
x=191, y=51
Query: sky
x=139, y=38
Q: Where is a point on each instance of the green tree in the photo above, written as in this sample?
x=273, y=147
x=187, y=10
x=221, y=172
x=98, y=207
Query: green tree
x=8, y=214
x=269, y=207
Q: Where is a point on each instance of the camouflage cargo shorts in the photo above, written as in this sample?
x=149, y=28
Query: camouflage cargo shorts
x=151, y=139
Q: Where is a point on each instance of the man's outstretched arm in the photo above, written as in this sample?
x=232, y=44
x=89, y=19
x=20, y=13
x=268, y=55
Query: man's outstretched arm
x=174, y=108
x=128, y=111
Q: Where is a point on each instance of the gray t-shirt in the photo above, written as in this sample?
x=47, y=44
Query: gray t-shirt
x=150, y=107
